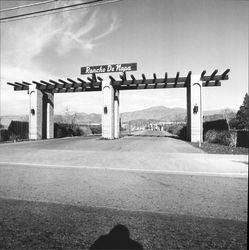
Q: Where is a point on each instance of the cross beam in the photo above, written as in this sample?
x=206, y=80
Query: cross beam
x=62, y=86
x=166, y=82
x=94, y=83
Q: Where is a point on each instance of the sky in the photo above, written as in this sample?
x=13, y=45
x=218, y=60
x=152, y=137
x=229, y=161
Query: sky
x=159, y=35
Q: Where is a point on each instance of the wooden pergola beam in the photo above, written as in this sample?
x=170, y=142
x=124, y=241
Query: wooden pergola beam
x=80, y=89
x=65, y=84
x=88, y=84
x=149, y=81
x=112, y=79
x=12, y=84
x=188, y=78
x=26, y=83
x=99, y=78
x=75, y=84
x=165, y=79
x=176, y=78
x=144, y=81
x=95, y=83
x=18, y=87
x=57, y=84
x=39, y=85
x=215, y=77
x=123, y=77
x=203, y=73
x=48, y=85
x=18, y=84
x=212, y=83
x=213, y=74
x=139, y=87
x=94, y=78
x=224, y=74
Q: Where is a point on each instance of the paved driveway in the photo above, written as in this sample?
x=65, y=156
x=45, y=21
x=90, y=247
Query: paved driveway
x=134, y=173
x=153, y=154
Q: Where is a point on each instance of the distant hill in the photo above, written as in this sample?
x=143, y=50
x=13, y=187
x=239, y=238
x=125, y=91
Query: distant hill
x=78, y=118
x=158, y=113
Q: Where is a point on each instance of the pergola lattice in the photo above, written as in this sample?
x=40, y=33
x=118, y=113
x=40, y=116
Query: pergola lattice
x=94, y=83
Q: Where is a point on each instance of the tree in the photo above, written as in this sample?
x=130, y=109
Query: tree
x=242, y=116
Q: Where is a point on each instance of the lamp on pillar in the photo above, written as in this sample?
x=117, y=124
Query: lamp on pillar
x=105, y=110
x=195, y=109
x=32, y=111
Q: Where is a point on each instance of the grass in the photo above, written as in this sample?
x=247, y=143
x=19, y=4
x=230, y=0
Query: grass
x=213, y=148
x=38, y=225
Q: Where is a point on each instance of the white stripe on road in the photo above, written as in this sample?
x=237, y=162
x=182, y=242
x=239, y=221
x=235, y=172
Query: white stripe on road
x=162, y=171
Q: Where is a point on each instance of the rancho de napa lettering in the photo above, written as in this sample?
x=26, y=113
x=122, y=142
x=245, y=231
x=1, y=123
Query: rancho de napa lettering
x=108, y=68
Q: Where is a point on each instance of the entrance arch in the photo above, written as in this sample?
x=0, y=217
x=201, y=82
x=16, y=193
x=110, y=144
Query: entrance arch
x=41, y=94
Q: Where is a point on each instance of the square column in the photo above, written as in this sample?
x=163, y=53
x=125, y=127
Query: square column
x=194, y=110
x=50, y=115
x=116, y=114
x=41, y=114
x=107, y=110
x=35, y=113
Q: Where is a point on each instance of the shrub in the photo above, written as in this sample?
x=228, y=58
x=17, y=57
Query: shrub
x=65, y=130
x=183, y=133
x=219, y=137
x=96, y=129
x=174, y=128
x=18, y=130
x=217, y=125
x=243, y=138
x=4, y=135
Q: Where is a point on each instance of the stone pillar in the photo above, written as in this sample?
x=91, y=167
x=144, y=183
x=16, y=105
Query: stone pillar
x=41, y=114
x=35, y=113
x=50, y=115
x=116, y=114
x=107, y=110
x=194, y=110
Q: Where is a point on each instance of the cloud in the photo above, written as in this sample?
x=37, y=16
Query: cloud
x=81, y=29
x=96, y=27
x=47, y=38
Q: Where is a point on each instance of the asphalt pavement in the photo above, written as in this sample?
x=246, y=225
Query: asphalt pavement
x=155, y=174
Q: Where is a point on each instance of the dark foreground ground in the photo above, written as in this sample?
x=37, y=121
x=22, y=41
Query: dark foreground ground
x=37, y=225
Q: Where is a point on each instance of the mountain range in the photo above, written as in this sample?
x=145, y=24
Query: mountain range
x=158, y=113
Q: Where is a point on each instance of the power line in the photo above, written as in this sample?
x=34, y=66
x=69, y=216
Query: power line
x=49, y=10
x=90, y=4
x=28, y=5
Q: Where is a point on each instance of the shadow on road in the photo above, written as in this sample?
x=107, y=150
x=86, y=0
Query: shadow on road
x=118, y=238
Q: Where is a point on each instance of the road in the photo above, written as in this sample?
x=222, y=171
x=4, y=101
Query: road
x=157, y=174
